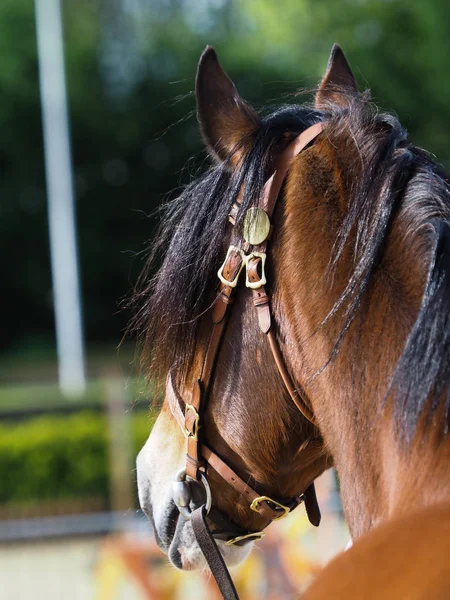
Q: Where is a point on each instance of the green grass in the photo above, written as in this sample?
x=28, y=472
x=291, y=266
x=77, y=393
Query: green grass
x=43, y=395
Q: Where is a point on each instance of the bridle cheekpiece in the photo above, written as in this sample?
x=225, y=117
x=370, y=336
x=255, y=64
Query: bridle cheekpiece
x=251, y=256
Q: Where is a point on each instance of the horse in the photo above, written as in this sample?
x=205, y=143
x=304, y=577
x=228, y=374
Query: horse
x=352, y=290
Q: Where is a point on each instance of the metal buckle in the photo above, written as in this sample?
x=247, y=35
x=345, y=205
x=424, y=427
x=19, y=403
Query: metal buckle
x=196, y=426
x=254, y=285
x=257, y=535
x=257, y=501
x=182, y=496
x=233, y=283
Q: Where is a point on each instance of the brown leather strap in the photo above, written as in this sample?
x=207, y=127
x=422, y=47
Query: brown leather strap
x=212, y=554
x=263, y=507
x=287, y=379
x=273, y=185
x=193, y=417
x=312, y=506
x=261, y=300
x=194, y=412
x=192, y=425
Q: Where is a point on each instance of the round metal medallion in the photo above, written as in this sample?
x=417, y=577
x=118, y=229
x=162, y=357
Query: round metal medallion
x=256, y=226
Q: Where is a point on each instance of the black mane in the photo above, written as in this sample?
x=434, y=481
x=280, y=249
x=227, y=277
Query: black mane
x=396, y=173
x=190, y=244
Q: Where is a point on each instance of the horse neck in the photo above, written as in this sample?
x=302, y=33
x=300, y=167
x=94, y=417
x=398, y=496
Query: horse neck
x=379, y=475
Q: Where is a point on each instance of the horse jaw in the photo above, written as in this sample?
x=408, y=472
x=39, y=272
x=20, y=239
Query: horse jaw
x=158, y=463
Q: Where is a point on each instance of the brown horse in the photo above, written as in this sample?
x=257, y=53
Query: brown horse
x=358, y=270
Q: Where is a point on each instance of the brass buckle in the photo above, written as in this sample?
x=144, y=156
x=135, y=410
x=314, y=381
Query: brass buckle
x=194, y=433
x=257, y=501
x=254, y=285
x=233, y=283
x=257, y=535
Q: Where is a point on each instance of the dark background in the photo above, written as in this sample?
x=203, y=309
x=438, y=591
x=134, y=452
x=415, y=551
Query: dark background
x=130, y=74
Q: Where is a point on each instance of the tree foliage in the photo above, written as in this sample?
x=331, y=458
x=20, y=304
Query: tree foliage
x=130, y=73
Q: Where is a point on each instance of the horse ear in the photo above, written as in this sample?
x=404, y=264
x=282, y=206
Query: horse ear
x=225, y=118
x=338, y=85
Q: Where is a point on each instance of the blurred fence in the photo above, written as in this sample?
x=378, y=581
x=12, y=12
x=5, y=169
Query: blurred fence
x=69, y=458
x=279, y=568
x=89, y=537
x=113, y=556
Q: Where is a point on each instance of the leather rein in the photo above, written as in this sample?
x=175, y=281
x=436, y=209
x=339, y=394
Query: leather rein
x=251, y=255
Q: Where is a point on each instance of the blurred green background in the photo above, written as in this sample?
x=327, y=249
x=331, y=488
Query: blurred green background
x=130, y=73
x=130, y=68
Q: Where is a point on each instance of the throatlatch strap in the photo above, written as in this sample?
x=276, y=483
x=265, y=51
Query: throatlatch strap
x=212, y=554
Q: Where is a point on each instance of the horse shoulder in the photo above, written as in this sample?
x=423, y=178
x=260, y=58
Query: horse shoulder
x=406, y=558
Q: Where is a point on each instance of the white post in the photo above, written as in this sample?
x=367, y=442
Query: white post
x=63, y=250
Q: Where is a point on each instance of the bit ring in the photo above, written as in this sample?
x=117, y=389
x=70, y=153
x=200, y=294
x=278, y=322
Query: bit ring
x=186, y=510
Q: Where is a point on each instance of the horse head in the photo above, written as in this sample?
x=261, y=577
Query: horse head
x=353, y=251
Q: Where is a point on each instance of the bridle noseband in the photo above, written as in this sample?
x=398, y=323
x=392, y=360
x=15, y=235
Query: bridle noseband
x=250, y=255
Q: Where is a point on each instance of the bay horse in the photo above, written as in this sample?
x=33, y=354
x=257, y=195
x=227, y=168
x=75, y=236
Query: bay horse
x=356, y=291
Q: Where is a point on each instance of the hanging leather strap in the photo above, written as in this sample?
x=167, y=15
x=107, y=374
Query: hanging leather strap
x=212, y=554
x=261, y=300
x=312, y=506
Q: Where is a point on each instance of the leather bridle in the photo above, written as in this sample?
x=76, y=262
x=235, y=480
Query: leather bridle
x=250, y=253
